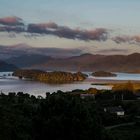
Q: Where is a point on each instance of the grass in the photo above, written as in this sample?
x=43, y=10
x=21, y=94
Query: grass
x=136, y=85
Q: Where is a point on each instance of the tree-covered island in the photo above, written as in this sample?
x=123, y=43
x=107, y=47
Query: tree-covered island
x=57, y=77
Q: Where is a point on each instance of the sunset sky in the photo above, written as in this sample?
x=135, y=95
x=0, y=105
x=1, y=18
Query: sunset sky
x=94, y=26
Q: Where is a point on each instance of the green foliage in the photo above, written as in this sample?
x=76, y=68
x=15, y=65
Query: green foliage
x=58, y=117
x=62, y=116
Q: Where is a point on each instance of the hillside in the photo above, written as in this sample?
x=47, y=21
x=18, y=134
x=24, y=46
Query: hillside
x=8, y=52
x=28, y=60
x=89, y=62
x=25, y=56
x=6, y=67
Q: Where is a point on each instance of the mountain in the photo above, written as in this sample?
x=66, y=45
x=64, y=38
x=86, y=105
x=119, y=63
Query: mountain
x=25, y=56
x=7, y=52
x=6, y=67
x=13, y=51
x=28, y=60
x=89, y=62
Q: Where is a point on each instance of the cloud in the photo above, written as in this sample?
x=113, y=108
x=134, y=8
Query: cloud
x=11, y=21
x=42, y=27
x=12, y=29
x=15, y=24
x=11, y=24
x=127, y=39
x=99, y=34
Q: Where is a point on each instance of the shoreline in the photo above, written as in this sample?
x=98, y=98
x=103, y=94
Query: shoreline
x=107, y=81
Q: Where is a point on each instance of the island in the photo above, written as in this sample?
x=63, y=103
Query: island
x=58, y=77
x=103, y=74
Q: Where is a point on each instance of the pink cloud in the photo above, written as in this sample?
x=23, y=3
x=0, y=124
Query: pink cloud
x=11, y=21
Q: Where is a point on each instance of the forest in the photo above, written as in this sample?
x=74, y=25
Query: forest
x=65, y=115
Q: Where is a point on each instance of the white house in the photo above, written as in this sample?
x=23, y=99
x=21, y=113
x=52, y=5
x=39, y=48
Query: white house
x=118, y=110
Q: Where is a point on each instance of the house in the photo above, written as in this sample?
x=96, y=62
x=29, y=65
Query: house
x=118, y=110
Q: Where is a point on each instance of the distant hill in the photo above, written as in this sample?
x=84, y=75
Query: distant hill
x=25, y=56
x=89, y=62
x=6, y=67
x=7, y=52
x=28, y=60
x=103, y=74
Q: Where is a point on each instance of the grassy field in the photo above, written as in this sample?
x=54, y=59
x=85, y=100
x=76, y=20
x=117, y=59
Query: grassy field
x=136, y=85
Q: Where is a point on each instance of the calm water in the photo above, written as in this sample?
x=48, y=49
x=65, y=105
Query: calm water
x=13, y=84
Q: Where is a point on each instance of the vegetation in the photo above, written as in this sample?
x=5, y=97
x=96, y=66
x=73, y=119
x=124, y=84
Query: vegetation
x=135, y=86
x=58, y=117
x=50, y=77
x=66, y=115
x=124, y=86
x=104, y=74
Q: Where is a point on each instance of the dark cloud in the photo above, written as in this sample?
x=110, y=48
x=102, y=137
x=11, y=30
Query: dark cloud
x=127, y=39
x=99, y=34
x=47, y=25
x=11, y=24
x=11, y=21
x=15, y=29
x=16, y=24
x=41, y=28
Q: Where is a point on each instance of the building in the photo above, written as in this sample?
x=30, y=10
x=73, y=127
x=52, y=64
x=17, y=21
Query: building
x=118, y=110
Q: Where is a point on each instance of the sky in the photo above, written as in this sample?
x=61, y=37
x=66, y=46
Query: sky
x=94, y=26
